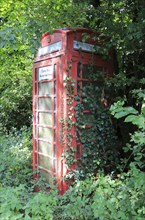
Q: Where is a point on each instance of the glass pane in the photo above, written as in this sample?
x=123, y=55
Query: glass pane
x=85, y=72
x=79, y=87
x=45, y=104
x=45, y=88
x=79, y=70
x=45, y=148
x=45, y=162
x=45, y=175
x=45, y=118
x=45, y=133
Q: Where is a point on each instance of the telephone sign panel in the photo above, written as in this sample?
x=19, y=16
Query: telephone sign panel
x=45, y=73
x=50, y=69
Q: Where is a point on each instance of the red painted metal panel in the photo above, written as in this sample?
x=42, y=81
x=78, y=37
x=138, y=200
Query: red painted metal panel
x=50, y=98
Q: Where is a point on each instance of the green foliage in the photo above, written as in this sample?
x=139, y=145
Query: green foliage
x=116, y=199
x=124, y=22
x=22, y=23
x=15, y=158
x=19, y=203
x=119, y=111
x=99, y=144
x=41, y=206
x=15, y=99
x=137, y=139
x=11, y=202
x=94, y=131
x=100, y=198
x=104, y=198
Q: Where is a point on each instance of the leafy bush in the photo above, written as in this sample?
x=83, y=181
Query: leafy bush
x=11, y=202
x=105, y=198
x=19, y=203
x=137, y=139
x=15, y=157
x=15, y=93
x=41, y=206
x=102, y=198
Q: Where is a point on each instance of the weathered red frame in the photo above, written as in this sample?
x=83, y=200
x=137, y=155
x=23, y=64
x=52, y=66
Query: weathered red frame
x=61, y=59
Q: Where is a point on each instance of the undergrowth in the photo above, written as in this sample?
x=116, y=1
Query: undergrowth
x=103, y=198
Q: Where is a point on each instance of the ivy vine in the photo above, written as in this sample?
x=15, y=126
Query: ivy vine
x=94, y=130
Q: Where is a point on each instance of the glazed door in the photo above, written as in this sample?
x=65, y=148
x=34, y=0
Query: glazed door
x=44, y=109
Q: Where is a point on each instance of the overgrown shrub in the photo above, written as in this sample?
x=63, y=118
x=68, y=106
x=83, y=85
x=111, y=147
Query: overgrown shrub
x=19, y=203
x=103, y=199
x=137, y=139
x=15, y=158
x=15, y=95
x=107, y=198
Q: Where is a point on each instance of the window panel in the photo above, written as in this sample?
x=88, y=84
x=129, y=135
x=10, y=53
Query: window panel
x=45, y=118
x=45, y=162
x=86, y=72
x=45, y=104
x=47, y=176
x=45, y=133
x=45, y=88
x=45, y=148
x=79, y=67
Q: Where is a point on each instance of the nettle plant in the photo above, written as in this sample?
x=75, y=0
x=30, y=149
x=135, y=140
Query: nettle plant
x=95, y=134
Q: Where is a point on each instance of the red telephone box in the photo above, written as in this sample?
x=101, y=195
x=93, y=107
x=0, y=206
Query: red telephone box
x=61, y=54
